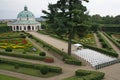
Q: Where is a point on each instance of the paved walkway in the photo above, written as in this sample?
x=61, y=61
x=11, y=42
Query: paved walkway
x=112, y=44
x=97, y=41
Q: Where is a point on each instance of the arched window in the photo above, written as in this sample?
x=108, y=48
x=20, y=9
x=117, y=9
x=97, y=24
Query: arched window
x=17, y=28
x=29, y=28
x=32, y=27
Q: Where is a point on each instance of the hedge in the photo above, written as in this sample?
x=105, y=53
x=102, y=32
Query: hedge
x=104, y=42
x=30, y=65
x=73, y=60
x=87, y=75
x=41, y=58
x=114, y=41
x=103, y=51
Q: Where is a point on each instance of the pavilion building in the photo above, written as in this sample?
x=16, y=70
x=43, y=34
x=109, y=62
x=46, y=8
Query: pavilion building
x=25, y=22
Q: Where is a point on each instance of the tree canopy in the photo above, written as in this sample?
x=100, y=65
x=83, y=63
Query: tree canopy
x=67, y=17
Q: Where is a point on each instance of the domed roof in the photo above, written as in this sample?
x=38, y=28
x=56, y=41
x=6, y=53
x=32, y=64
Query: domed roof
x=25, y=14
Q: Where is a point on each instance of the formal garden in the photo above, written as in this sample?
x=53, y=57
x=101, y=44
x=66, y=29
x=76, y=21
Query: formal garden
x=16, y=42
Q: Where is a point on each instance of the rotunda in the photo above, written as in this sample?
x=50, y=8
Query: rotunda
x=25, y=22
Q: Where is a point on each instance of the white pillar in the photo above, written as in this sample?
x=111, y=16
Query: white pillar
x=34, y=28
x=26, y=28
x=15, y=28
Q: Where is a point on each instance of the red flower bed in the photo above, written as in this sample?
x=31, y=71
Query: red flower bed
x=49, y=60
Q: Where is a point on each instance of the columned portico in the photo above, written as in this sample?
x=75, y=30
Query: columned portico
x=25, y=22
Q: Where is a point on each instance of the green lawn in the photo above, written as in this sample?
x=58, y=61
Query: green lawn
x=5, y=77
x=28, y=71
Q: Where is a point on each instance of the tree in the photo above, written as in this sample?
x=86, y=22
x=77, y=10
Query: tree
x=67, y=17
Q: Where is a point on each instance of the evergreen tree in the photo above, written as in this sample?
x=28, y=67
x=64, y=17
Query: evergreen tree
x=67, y=17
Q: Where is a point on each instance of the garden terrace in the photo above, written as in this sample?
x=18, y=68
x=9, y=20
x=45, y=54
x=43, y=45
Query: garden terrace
x=114, y=41
x=29, y=68
x=86, y=75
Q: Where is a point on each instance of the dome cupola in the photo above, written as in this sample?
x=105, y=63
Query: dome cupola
x=25, y=15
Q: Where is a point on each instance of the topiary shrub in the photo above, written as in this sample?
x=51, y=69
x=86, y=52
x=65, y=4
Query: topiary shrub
x=44, y=70
x=8, y=49
x=42, y=54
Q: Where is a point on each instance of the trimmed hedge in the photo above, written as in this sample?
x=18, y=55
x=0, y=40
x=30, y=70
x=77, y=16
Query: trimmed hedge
x=30, y=65
x=104, y=42
x=89, y=75
x=73, y=60
x=41, y=58
x=114, y=41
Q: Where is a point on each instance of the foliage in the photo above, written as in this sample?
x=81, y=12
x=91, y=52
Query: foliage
x=116, y=43
x=67, y=17
x=8, y=49
x=105, y=44
x=44, y=70
x=4, y=28
x=31, y=65
x=42, y=54
x=86, y=75
x=71, y=61
x=41, y=58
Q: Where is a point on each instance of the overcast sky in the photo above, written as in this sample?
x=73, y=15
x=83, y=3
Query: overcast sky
x=10, y=8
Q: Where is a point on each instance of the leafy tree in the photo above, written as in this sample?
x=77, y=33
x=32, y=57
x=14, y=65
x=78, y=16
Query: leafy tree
x=67, y=17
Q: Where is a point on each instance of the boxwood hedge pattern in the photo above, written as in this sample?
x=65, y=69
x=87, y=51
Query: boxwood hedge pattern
x=30, y=65
x=33, y=57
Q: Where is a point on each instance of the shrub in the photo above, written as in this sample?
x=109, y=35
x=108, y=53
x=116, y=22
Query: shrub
x=72, y=61
x=31, y=65
x=8, y=49
x=49, y=60
x=44, y=70
x=42, y=54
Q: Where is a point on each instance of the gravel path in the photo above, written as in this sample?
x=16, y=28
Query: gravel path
x=97, y=41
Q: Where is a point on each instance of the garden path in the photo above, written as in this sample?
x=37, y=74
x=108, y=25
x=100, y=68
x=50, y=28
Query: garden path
x=112, y=44
x=97, y=41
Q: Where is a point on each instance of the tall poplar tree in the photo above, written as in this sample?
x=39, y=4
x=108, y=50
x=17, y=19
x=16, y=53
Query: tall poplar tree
x=67, y=17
